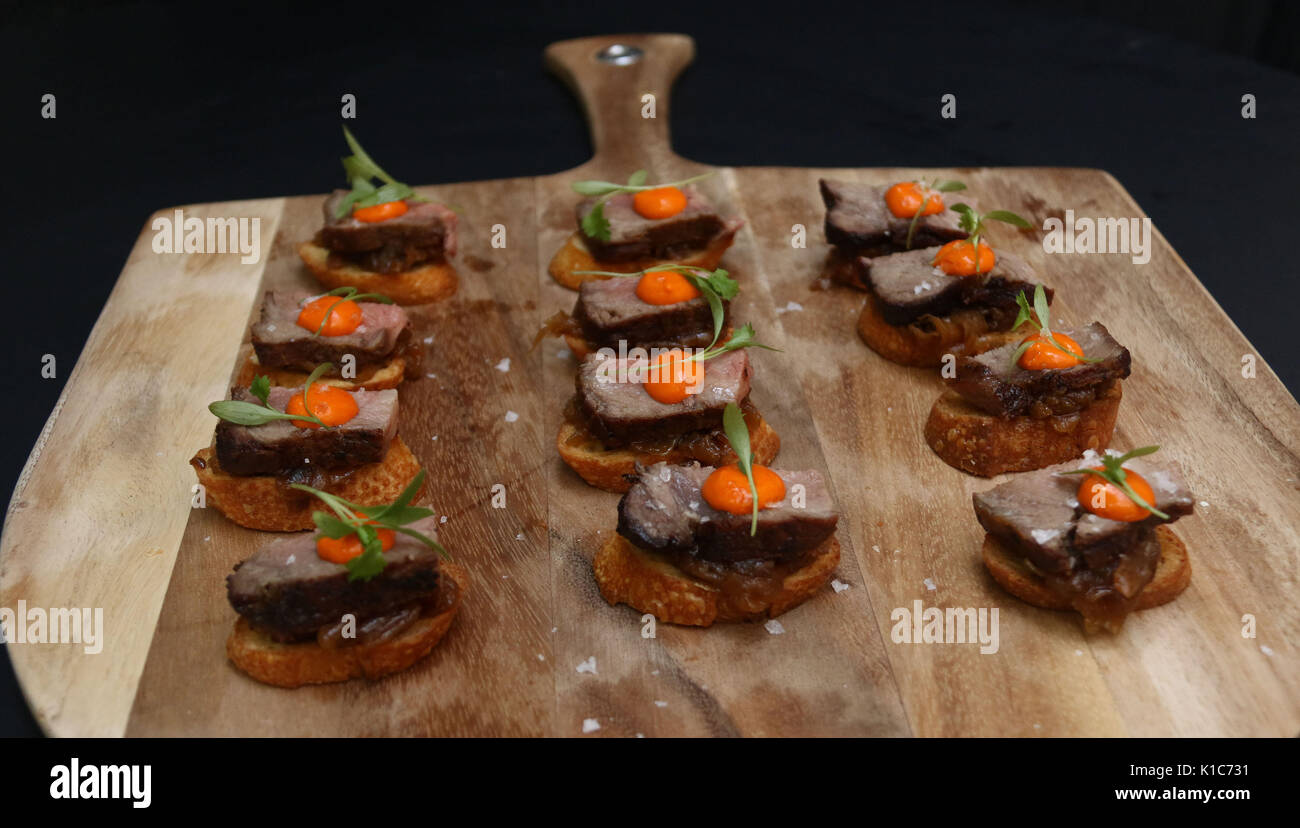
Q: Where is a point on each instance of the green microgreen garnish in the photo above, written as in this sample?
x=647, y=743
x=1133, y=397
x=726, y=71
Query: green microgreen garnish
x=363, y=521
x=743, y=338
x=733, y=424
x=934, y=186
x=973, y=223
x=1112, y=471
x=360, y=169
x=349, y=294
x=1039, y=310
x=594, y=223
x=716, y=286
x=242, y=412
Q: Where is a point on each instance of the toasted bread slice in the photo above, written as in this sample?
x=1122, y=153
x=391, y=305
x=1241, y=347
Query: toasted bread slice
x=978, y=443
x=923, y=343
x=608, y=469
x=647, y=582
x=414, y=287
x=263, y=501
x=1173, y=574
x=293, y=665
x=574, y=256
x=376, y=377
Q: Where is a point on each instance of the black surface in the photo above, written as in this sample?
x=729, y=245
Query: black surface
x=156, y=110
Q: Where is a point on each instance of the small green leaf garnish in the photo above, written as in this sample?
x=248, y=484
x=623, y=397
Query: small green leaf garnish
x=716, y=286
x=242, y=412
x=743, y=338
x=1112, y=471
x=1042, y=324
x=260, y=387
x=594, y=223
x=347, y=294
x=362, y=521
x=973, y=222
x=360, y=168
x=733, y=424
x=937, y=186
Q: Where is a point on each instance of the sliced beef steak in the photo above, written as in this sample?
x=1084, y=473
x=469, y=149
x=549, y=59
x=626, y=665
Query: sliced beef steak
x=664, y=511
x=424, y=234
x=280, y=343
x=618, y=411
x=858, y=219
x=909, y=286
x=993, y=383
x=290, y=593
x=1038, y=515
x=279, y=447
x=633, y=236
x=1099, y=565
x=609, y=311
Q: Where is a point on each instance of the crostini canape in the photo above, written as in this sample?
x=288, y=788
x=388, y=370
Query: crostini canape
x=924, y=304
x=364, y=336
x=383, y=238
x=666, y=306
x=364, y=596
x=870, y=220
x=741, y=542
x=635, y=226
x=1027, y=405
x=268, y=438
x=1090, y=535
x=659, y=405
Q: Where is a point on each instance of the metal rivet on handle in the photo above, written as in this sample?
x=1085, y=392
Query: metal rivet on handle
x=619, y=54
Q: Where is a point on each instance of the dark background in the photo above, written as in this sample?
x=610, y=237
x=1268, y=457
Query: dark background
x=156, y=110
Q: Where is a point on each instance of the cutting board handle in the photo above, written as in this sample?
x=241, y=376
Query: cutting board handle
x=612, y=75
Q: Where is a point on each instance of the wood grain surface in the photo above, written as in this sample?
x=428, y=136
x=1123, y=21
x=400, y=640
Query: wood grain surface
x=102, y=517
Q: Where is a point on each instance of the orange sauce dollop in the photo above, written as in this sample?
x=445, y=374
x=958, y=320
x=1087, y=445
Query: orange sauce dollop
x=957, y=258
x=1041, y=356
x=727, y=489
x=343, y=319
x=659, y=203
x=341, y=550
x=905, y=199
x=1105, y=499
x=380, y=212
x=673, y=377
x=333, y=406
x=665, y=287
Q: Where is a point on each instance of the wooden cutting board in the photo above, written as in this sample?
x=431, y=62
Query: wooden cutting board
x=102, y=518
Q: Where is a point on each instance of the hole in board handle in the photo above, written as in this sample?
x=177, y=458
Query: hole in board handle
x=619, y=54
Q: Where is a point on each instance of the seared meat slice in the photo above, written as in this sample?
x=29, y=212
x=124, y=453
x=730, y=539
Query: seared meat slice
x=858, y=219
x=632, y=236
x=424, y=234
x=909, y=286
x=280, y=447
x=993, y=383
x=1038, y=515
x=290, y=593
x=664, y=511
x=618, y=411
x=609, y=311
x=281, y=343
